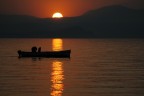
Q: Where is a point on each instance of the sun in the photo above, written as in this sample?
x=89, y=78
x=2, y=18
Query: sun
x=57, y=15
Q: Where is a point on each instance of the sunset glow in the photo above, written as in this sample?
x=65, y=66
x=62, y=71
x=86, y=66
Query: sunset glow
x=57, y=15
x=69, y=8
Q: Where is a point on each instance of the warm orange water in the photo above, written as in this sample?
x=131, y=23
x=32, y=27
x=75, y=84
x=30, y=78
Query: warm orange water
x=97, y=67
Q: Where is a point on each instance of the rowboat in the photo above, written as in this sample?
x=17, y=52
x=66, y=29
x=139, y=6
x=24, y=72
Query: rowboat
x=49, y=54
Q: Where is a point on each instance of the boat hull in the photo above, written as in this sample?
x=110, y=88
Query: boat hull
x=50, y=54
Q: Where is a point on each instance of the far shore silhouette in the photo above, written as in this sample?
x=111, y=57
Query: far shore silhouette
x=107, y=22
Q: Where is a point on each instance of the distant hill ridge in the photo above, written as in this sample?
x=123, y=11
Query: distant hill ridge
x=116, y=12
x=108, y=9
x=106, y=22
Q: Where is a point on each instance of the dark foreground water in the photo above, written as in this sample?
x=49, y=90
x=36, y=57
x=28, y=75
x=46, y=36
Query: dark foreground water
x=97, y=67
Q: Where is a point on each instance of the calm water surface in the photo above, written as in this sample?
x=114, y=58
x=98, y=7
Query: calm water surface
x=97, y=67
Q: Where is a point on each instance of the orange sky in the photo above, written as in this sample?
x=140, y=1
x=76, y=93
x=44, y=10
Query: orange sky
x=69, y=8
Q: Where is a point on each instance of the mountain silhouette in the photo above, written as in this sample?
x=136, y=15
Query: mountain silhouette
x=106, y=22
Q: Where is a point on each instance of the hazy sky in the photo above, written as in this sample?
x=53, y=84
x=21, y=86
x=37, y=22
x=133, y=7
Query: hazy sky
x=45, y=8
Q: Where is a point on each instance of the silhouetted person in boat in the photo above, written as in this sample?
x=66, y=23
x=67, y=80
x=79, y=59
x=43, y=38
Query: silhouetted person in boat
x=34, y=49
x=39, y=49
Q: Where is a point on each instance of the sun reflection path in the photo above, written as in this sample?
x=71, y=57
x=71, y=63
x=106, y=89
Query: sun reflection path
x=57, y=44
x=57, y=77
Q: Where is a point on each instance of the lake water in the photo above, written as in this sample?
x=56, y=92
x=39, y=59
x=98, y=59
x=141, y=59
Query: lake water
x=97, y=67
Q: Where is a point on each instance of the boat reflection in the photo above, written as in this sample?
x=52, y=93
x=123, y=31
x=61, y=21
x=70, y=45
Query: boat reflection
x=57, y=74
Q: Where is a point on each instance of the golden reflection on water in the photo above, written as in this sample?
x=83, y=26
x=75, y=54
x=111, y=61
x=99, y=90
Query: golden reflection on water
x=57, y=77
x=57, y=74
x=57, y=44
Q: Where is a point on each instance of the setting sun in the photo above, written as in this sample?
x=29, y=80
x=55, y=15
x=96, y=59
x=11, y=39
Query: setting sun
x=57, y=15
